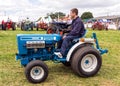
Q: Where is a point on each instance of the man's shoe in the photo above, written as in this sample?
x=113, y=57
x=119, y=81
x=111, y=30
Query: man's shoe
x=58, y=54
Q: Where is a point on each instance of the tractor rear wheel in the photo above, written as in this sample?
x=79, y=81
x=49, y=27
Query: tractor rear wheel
x=31, y=26
x=86, y=61
x=36, y=71
x=13, y=26
x=49, y=31
x=3, y=26
x=37, y=28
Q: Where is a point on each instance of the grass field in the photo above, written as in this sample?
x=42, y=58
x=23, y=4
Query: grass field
x=12, y=74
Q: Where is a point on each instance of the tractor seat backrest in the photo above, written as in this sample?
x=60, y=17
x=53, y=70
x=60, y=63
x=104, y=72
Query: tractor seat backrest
x=77, y=39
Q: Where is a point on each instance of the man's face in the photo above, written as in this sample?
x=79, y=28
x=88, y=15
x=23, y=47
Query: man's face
x=72, y=15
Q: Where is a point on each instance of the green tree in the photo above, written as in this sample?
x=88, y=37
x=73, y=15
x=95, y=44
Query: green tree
x=87, y=15
x=55, y=15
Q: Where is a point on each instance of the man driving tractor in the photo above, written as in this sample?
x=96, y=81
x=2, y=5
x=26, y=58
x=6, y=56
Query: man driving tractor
x=77, y=30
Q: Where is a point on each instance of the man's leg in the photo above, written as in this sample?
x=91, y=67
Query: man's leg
x=65, y=46
x=66, y=43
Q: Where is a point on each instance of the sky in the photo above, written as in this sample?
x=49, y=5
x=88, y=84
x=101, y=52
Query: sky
x=39, y=8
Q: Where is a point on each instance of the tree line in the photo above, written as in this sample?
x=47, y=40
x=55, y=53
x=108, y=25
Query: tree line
x=85, y=15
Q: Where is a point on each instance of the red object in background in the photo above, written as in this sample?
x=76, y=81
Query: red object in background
x=99, y=26
x=50, y=31
x=42, y=25
x=9, y=24
x=3, y=22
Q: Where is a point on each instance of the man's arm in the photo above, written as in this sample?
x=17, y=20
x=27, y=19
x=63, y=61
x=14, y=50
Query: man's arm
x=67, y=30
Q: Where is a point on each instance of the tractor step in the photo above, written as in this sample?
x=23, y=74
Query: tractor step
x=57, y=59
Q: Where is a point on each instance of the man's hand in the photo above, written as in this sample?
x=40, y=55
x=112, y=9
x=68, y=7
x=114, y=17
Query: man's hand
x=64, y=37
x=66, y=30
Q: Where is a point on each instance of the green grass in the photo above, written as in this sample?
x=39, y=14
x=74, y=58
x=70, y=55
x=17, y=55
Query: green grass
x=12, y=74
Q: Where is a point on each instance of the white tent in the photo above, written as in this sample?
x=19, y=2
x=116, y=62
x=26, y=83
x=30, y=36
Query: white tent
x=47, y=20
x=112, y=26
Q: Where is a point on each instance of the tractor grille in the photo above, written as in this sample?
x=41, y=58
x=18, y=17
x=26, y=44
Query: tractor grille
x=35, y=44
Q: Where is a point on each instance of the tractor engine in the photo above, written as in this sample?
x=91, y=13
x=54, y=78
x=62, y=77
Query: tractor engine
x=36, y=46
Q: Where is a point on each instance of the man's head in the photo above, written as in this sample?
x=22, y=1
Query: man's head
x=74, y=13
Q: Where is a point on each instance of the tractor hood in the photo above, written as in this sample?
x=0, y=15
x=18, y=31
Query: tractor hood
x=23, y=39
x=38, y=37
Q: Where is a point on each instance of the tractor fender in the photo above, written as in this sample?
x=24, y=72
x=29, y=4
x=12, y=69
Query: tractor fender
x=70, y=52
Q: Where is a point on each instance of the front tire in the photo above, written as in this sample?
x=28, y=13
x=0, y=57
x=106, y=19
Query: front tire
x=36, y=71
x=86, y=61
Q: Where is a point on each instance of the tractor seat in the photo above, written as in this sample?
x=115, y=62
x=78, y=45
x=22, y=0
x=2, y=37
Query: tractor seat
x=77, y=39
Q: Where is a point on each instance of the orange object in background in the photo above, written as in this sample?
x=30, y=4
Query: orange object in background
x=42, y=25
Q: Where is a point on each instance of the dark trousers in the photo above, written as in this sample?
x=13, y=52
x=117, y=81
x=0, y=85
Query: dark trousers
x=65, y=44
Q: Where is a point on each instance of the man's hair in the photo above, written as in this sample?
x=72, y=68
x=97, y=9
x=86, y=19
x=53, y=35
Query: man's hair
x=74, y=10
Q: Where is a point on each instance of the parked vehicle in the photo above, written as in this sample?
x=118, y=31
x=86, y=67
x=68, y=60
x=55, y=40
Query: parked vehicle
x=6, y=25
x=100, y=26
x=41, y=25
x=84, y=55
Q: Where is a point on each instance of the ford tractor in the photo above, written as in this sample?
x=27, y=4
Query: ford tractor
x=84, y=55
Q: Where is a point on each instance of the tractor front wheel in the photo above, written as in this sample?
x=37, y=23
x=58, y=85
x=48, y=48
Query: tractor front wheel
x=86, y=61
x=36, y=71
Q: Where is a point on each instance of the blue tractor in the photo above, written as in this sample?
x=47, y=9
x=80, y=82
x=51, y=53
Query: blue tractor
x=83, y=55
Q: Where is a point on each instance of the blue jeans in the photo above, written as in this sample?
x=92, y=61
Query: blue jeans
x=65, y=44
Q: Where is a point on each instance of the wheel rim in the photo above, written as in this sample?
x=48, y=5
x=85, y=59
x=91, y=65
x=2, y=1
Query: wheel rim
x=89, y=63
x=37, y=72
